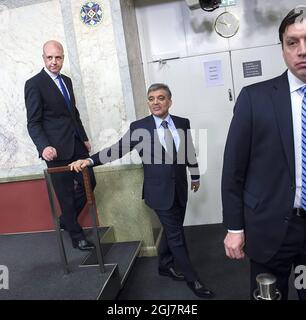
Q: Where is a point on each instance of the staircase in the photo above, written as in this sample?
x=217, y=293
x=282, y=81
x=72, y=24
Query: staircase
x=113, y=262
x=118, y=258
x=36, y=271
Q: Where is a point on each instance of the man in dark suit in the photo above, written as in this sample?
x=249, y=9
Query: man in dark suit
x=165, y=145
x=56, y=129
x=262, y=189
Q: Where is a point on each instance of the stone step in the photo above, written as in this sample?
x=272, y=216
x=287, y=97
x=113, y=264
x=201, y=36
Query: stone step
x=121, y=253
x=106, y=235
x=36, y=271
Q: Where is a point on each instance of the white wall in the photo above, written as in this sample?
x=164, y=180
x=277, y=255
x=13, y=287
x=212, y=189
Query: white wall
x=182, y=41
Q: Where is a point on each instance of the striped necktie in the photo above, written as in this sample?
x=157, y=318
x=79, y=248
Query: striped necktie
x=303, y=90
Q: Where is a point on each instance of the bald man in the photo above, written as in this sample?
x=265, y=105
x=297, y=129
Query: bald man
x=56, y=129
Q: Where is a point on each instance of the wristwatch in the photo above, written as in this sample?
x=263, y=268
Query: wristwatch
x=226, y=24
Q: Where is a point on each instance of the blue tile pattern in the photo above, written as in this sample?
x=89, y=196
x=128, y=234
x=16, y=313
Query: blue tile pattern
x=91, y=13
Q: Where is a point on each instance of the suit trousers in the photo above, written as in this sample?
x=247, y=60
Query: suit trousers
x=173, y=248
x=291, y=254
x=70, y=192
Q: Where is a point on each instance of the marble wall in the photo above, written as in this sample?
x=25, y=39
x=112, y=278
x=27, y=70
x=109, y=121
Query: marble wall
x=134, y=58
x=101, y=83
x=22, y=34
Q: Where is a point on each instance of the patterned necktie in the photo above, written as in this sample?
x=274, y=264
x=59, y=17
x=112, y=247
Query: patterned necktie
x=303, y=89
x=169, y=141
x=64, y=91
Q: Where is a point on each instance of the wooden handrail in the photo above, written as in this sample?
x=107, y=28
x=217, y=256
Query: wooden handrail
x=87, y=185
x=58, y=169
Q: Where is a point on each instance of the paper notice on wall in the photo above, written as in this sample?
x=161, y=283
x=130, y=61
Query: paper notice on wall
x=213, y=73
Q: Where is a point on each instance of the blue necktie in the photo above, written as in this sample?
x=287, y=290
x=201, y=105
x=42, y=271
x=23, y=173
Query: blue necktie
x=66, y=96
x=64, y=91
x=303, y=89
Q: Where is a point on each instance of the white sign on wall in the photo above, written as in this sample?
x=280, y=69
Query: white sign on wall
x=213, y=73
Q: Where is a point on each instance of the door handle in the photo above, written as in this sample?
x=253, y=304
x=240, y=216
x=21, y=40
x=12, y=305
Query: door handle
x=230, y=96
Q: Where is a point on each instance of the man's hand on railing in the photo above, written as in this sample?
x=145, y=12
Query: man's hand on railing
x=79, y=165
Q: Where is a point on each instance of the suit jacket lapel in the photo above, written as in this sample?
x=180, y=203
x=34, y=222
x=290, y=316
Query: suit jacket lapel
x=283, y=110
x=181, y=132
x=153, y=132
x=51, y=84
x=150, y=125
x=158, y=149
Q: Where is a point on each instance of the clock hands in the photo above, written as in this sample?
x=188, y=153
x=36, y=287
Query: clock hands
x=225, y=23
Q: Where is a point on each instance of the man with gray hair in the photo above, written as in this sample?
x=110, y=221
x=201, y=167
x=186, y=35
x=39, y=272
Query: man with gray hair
x=164, y=143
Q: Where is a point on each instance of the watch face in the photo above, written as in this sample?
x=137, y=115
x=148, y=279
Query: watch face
x=226, y=24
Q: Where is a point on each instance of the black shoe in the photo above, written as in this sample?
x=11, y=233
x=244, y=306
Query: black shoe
x=170, y=272
x=61, y=223
x=83, y=244
x=199, y=289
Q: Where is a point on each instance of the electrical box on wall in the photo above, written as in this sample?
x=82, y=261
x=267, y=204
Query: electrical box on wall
x=209, y=5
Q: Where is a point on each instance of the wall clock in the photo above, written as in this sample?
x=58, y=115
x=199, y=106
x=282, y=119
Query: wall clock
x=226, y=24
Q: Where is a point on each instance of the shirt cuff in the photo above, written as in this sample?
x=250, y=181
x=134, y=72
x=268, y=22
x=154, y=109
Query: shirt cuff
x=235, y=231
x=91, y=161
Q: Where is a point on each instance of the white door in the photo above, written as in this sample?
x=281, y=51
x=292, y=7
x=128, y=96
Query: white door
x=247, y=61
x=185, y=40
x=201, y=93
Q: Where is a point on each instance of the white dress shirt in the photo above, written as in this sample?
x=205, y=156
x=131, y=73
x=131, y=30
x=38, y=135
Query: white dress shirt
x=53, y=76
x=172, y=128
x=296, y=101
x=161, y=131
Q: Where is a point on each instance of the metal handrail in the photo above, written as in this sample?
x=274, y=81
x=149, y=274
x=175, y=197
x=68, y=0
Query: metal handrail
x=91, y=203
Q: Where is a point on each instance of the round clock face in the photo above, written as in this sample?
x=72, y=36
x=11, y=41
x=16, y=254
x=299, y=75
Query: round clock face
x=226, y=24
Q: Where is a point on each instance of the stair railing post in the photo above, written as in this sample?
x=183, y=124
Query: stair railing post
x=58, y=233
x=91, y=204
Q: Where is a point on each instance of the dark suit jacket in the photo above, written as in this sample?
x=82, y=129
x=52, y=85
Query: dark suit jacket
x=258, y=182
x=50, y=123
x=161, y=178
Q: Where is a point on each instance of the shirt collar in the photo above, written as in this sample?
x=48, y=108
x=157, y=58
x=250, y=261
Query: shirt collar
x=158, y=120
x=295, y=84
x=51, y=74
